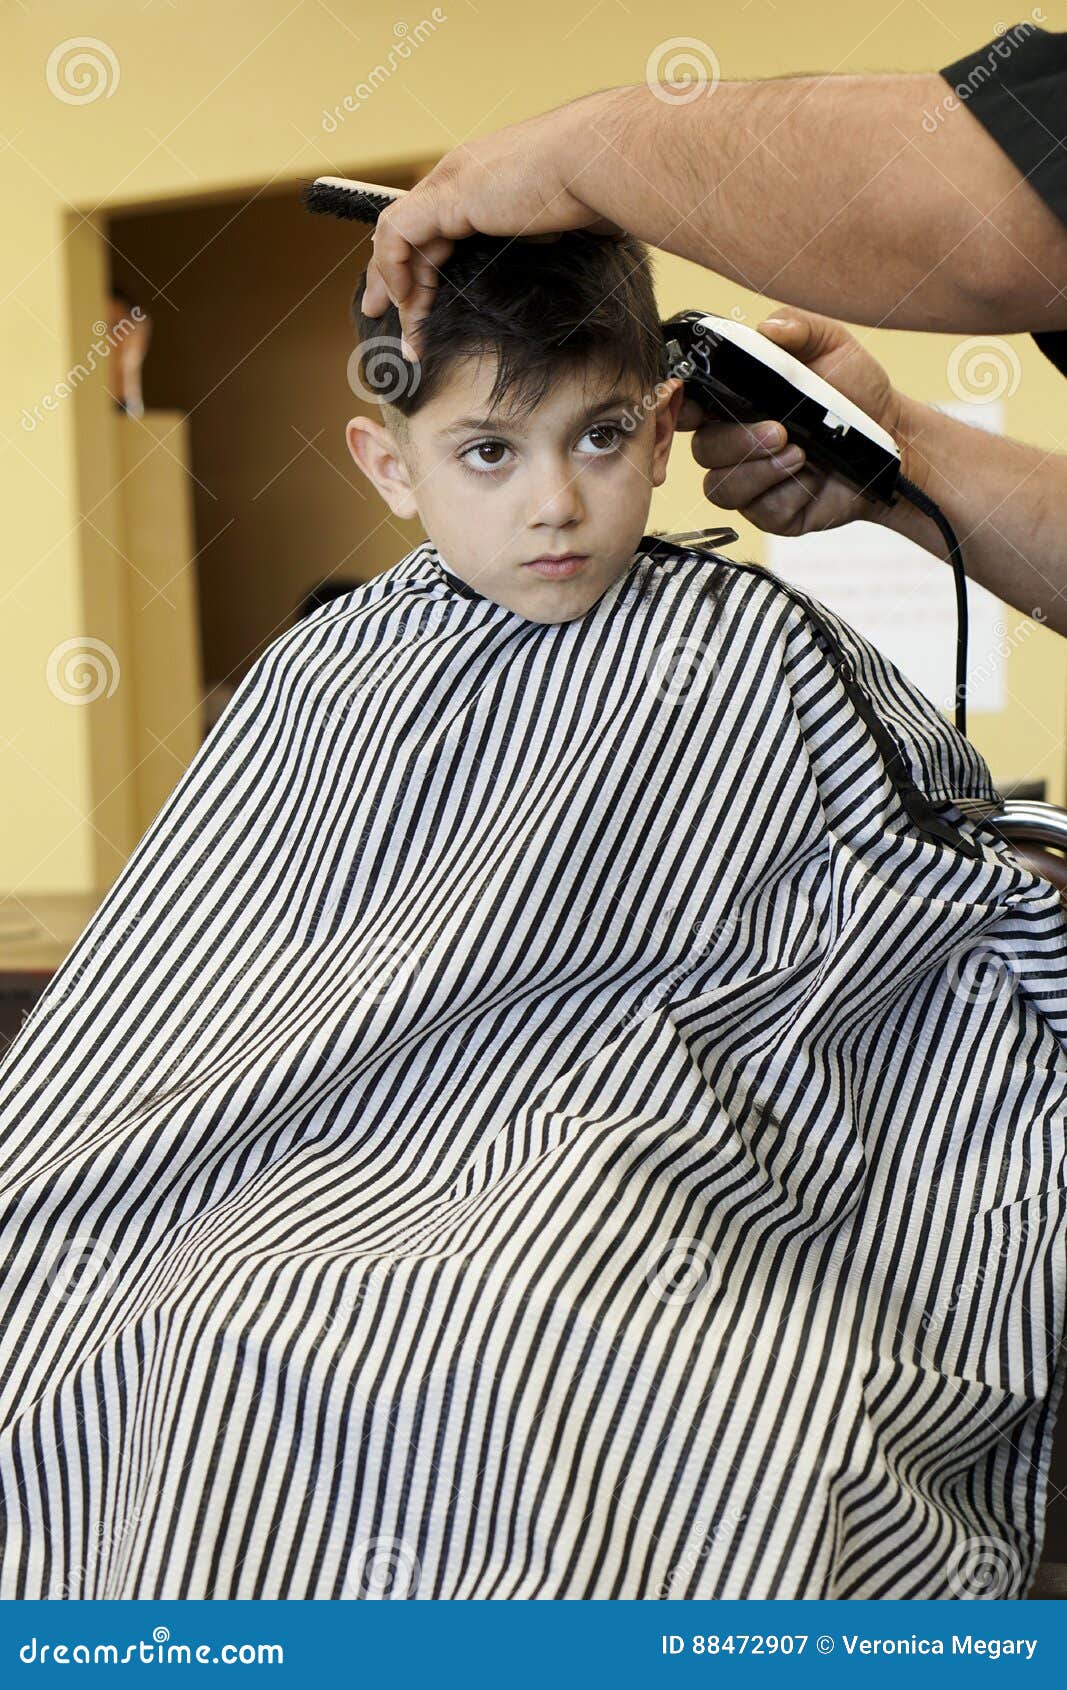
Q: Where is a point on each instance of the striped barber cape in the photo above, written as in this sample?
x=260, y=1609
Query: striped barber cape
x=559, y=1111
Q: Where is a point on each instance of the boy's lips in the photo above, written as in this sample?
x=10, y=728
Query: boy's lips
x=557, y=565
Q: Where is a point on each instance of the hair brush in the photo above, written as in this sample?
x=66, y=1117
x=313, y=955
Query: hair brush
x=341, y=196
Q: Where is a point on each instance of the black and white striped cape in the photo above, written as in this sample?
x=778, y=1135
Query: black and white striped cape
x=546, y=1111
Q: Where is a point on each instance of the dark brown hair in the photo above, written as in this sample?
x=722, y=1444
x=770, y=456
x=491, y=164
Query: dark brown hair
x=543, y=307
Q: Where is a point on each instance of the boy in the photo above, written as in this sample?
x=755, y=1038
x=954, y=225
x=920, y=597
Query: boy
x=541, y=440
x=536, y=1113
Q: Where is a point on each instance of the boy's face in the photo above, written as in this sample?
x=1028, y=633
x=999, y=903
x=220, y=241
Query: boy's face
x=494, y=493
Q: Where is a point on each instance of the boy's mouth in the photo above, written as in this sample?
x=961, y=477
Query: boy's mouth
x=556, y=566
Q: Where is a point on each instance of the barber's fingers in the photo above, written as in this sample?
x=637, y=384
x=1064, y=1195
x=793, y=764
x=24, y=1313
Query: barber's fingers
x=790, y=507
x=717, y=442
x=423, y=268
x=426, y=265
x=375, y=295
x=693, y=415
x=411, y=236
x=425, y=272
x=721, y=445
x=738, y=484
x=803, y=333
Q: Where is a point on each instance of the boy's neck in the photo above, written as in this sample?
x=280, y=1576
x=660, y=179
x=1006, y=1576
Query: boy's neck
x=454, y=580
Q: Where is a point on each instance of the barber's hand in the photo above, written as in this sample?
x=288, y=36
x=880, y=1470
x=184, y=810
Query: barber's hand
x=766, y=479
x=509, y=183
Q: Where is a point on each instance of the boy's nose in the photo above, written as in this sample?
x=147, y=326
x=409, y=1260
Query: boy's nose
x=556, y=496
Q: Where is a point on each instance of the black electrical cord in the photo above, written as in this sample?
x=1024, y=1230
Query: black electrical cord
x=915, y=496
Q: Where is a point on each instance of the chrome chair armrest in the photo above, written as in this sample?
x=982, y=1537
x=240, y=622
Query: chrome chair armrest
x=1036, y=832
x=1030, y=819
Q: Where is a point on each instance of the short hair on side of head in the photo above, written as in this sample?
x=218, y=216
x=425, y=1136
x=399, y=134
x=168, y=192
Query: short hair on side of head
x=543, y=307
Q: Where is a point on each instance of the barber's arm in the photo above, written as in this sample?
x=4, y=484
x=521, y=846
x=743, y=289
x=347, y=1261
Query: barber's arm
x=876, y=198
x=1005, y=500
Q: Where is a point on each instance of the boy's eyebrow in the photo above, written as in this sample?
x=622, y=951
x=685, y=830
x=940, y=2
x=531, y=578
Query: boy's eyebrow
x=466, y=423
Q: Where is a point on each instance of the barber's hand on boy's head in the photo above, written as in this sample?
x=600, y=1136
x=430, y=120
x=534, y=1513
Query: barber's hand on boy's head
x=510, y=183
x=424, y=271
x=756, y=471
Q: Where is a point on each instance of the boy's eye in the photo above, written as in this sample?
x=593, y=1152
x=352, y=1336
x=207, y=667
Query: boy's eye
x=472, y=461
x=608, y=437
x=479, y=458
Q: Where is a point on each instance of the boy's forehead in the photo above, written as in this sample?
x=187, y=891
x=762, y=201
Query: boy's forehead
x=462, y=401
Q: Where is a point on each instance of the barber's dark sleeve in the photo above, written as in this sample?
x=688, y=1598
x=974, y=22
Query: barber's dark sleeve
x=1016, y=86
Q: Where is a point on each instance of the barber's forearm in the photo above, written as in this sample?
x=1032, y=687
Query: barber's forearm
x=1006, y=501
x=829, y=193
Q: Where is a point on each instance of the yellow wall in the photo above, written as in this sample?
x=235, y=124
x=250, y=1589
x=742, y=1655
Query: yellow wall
x=279, y=505
x=205, y=100
x=164, y=677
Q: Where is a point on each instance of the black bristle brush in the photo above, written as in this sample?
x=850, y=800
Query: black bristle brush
x=340, y=196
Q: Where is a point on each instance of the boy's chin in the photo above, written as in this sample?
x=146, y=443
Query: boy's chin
x=572, y=613
x=554, y=621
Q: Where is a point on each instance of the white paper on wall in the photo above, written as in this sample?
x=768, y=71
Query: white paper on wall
x=903, y=599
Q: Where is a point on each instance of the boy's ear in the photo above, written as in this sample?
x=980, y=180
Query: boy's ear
x=665, y=418
x=375, y=451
